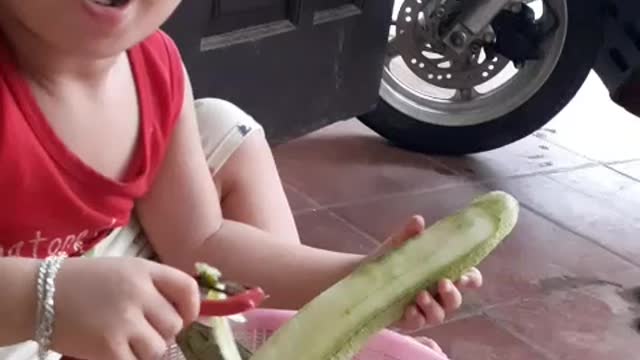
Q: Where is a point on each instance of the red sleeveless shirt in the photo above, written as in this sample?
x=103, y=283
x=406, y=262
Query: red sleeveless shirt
x=50, y=201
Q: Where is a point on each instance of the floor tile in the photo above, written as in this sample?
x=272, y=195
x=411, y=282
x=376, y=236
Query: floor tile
x=629, y=278
x=346, y=162
x=540, y=256
x=590, y=324
x=323, y=230
x=597, y=202
x=380, y=218
x=530, y=155
x=631, y=169
x=561, y=287
x=478, y=338
x=297, y=200
x=593, y=126
x=536, y=252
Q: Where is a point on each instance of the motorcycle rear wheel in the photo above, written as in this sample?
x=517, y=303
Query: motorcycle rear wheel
x=493, y=119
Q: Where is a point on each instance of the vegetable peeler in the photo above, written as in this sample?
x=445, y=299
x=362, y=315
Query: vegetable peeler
x=234, y=298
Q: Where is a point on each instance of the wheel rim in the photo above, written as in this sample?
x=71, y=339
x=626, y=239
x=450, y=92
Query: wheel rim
x=503, y=92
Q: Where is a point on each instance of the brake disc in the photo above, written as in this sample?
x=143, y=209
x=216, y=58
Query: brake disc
x=420, y=26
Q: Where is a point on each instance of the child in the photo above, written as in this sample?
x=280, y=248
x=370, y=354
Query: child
x=106, y=157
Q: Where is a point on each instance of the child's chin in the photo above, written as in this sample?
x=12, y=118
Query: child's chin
x=104, y=48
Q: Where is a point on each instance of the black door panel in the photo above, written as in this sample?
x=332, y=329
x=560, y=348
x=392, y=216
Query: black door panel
x=230, y=15
x=295, y=65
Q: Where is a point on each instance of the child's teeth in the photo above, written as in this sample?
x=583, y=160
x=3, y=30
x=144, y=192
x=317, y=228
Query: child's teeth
x=102, y=2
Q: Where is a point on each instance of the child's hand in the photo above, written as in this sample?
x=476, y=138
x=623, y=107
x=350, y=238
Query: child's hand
x=126, y=309
x=429, y=310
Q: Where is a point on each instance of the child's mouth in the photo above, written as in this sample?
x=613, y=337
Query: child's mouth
x=111, y=3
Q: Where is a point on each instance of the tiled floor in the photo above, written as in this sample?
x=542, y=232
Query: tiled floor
x=566, y=285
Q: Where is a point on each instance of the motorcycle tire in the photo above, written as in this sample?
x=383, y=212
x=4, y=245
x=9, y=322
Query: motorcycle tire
x=583, y=39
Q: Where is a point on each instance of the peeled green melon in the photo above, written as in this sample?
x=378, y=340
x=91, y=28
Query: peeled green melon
x=338, y=323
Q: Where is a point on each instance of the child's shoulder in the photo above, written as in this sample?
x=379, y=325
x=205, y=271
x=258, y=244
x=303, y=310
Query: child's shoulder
x=161, y=48
x=160, y=78
x=159, y=41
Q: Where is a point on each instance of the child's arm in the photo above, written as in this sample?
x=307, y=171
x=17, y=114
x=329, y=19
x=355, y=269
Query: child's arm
x=18, y=299
x=183, y=220
x=292, y=274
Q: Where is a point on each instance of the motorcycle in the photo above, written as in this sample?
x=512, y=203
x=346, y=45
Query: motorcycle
x=466, y=76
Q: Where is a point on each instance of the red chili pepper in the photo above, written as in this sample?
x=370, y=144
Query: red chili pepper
x=237, y=304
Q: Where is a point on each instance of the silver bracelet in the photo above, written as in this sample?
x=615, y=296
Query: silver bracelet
x=46, y=312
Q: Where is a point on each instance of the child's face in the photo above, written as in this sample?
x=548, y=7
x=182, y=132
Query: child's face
x=89, y=28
